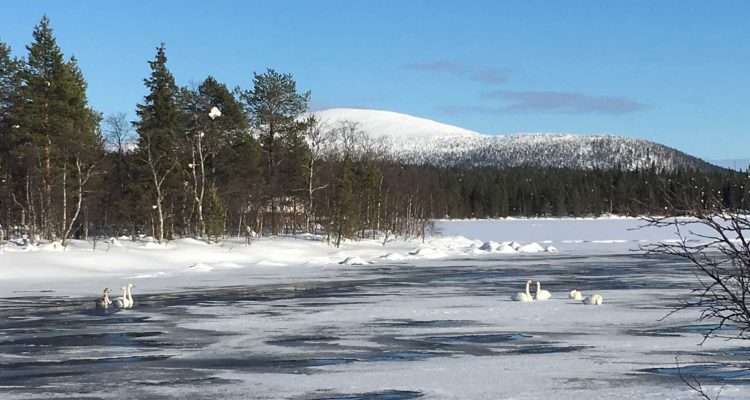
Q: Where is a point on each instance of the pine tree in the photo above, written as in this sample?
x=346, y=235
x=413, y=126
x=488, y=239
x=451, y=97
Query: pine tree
x=274, y=107
x=55, y=137
x=157, y=134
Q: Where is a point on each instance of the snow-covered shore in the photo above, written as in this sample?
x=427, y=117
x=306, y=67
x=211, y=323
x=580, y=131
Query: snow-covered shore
x=84, y=268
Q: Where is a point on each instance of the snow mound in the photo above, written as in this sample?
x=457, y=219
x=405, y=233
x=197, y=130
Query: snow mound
x=154, y=246
x=54, y=246
x=147, y=276
x=393, y=257
x=114, y=242
x=489, y=246
x=190, y=241
x=495, y=247
x=267, y=263
x=353, y=261
x=427, y=252
x=228, y=265
x=200, y=267
x=532, y=247
x=506, y=249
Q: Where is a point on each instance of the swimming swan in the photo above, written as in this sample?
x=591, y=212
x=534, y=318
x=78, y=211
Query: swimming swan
x=130, y=296
x=541, y=294
x=122, y=302
x=594, y=299
x=523, y=296
x=575, y=295
x=104, y=301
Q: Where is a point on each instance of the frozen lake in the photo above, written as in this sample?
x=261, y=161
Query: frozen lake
x=439, y=329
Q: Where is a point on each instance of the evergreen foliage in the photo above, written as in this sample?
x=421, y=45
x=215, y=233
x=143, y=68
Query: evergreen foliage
x=158, y=127
x=344, y=222
x=53, y=141
x=275, y=108
x=215, y=215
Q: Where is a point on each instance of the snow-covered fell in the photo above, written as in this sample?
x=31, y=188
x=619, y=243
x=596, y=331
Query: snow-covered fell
x=394, y=126
x=421, y=141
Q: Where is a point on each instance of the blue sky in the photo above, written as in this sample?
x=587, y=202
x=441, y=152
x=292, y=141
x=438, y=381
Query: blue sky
x=675, y=72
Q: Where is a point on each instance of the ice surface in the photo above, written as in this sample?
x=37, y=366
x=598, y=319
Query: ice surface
x=284, y=319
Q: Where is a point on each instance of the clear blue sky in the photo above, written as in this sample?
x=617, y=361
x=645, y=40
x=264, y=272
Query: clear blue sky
x=675, y=72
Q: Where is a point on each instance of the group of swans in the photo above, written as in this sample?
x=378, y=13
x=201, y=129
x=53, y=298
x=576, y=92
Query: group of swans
x=126, y=301
x=575, y=294
x=526, y=295
x=593, y=300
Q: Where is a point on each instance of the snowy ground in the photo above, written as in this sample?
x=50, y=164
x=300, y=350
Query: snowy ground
x=284, y=319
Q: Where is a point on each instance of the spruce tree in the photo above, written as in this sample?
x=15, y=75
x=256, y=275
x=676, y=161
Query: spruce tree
x=9, y=86
x=296, y=156
x=345, y=221
x=157, y=127
x=215, y=215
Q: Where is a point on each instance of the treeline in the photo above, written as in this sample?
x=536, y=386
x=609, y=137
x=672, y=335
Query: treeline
x=560, y=192
x=207, y=161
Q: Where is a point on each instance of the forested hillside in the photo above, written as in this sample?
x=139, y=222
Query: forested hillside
x=419, y=141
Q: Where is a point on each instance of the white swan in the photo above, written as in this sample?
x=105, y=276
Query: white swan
x=575, y=295
x=104, y=301
x=130, y=296
x=122, y=302
x=541, y=294
x=594, y=299
x=523, y=296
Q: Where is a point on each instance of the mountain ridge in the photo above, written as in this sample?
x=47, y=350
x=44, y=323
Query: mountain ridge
x=415, y=140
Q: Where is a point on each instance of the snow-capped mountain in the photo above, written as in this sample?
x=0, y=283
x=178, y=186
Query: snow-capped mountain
x=422, y=141
x=395, y=126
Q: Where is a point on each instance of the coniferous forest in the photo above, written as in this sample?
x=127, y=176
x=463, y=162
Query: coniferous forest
x=208, y=161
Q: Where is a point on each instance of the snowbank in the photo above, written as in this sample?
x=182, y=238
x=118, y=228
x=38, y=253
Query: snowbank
x=81, y=268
